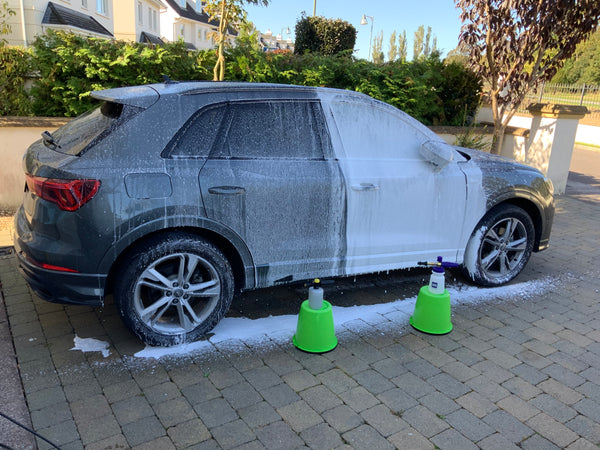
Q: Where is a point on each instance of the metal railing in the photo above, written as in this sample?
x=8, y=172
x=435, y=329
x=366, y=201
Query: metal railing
x=566, y=94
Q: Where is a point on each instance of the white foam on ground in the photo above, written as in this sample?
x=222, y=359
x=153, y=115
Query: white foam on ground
x=282, y=328
x=91, y=345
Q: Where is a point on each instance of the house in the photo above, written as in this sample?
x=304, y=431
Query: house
x=138, y=20
x=34, y=17
x=186, y=20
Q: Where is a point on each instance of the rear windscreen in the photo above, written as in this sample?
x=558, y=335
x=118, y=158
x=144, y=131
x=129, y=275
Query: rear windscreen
x=89, y=128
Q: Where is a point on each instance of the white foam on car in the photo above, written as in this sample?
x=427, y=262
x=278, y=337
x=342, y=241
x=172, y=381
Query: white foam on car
x=280, y=329
x=91, y=345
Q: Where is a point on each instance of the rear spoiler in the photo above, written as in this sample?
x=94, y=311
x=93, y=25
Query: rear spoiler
x=140, y=96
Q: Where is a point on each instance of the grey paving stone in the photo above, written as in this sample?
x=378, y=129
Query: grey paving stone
x=367, y=438
x=113, y=442
x=262, y=377
x=373, y=381
x=488, y=389
x=389, y=368
x=162, y=393
x=50, y=415
x=224, y=375
x=299, y=415
x=460, y=371
x=259, y=415
x=529, y=373
x=397, y=400
x=282, y=363
x=438, y=403
x=233, y=434
x=410, y=439
x=497, y=442
x=215, y=412
x=466, y=356
x=585, y=427
x=589, y=408
x=522, y=388
x=351, y=365
x=383, y=420
x=200, y=392
x=132, y=409
x=435, y=356
x=476, y=404
x=469, y=425
x=320, y=398
x=452, y=439
x=189, y=433
x=424, y=421
x=174, y=412
x=533, y=359
x=300, y=380
x=493, y=371
x=337, y=381
x=422, y=368
x=241, y=395
x=413, y=385
x=537, y=442
x=146, y=378
x=553, y=407
x=321, y=436
x=448, y=385
x=561, y=392
x=518, y=407
x=582, y=444
x=45, y=397
x=563, y=375
x=97, y=429
x=342, y=418
x=552, y=430
x=508, y=426
x=279, y=395
x=359, y=399
x=279, y=436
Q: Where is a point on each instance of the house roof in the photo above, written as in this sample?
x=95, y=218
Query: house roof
x=190, y=13
x=60, y=15
x=149, y=38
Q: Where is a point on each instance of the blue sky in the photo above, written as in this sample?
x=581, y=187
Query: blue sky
x=389, y=15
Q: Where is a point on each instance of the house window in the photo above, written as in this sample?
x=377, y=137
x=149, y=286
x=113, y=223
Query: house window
x=183, y=3
x=182, y=30
x=140, y=13
x=198, y=6
x=199, y=34
x=84, y=3
x=154, y=20
x=102, y=6
x=150, y=17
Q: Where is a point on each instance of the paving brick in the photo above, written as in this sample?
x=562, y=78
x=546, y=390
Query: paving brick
x=241, y=395
x=113, y=442
x=422, y=368
x=552, y=430
x=410, y=439
x=476, y=404
x=589, y=408
x=299, y=415
x=533, y=359
x=259, y=415
x=452, y=439
x=351, y=365
x=342, y=418
x=279, y=436
x=424, y=421
x=493, y=371
x=189, y=433
x=574, y=337
x=100, y=428
x=359, y=399
x=438, y=403
x=585, y=427
x=469, y=425
x=448, y=385
x=553, y=407
x=529, y=373
x=466, y=356
x=337, y=381
x=132, y=410
x=50, y=415
x=522, y=388
x=508, y=426
x=200, y=392
x=435, y=356
x=563, y=375
x=413, y=385
x=233, y=434
x=390, y=368
x=45, y=397
x=320, y=398
x=460, y=371
x=321, y=436
x=174, y=412
x=537, y=442
x=279, y=395
x=582, y=444
x=397, y=400
x=367, y=438
x=373, y=381
x=561, y=392
x=215, y=412
x=59, y=434
x=282, y=363
x=383, y=420
x=224, y=375
x=162, y=393
x=518, y=407
x=497, y=441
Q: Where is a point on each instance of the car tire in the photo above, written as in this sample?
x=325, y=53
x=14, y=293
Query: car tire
x=174, y=289
x=500, y=246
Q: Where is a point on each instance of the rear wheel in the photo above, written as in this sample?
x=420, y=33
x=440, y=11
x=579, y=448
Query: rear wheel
x=500, y=246
x=174, y=290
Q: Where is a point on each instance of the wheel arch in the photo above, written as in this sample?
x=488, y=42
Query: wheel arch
x=225, y=240
x=527, y=204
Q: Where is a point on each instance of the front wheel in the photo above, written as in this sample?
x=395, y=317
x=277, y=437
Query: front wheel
x=500, y=246
x=174, y=290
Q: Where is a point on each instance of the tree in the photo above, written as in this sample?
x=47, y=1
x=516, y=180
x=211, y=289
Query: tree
x=376, y=52
x=418, y=42
x=424, y=44
x=5, y=13
x=402, y=52
x=584, y=65
x=514, y=45
x=228, y=13
x=317, y=34
x=393, y=51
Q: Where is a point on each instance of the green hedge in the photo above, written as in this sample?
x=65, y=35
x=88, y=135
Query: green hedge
x=68, y=67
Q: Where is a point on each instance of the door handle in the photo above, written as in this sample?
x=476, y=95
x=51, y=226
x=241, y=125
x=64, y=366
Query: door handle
x=363, y=187
x=226, y=190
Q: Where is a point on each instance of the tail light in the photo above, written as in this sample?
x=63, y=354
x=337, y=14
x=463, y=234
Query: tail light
x=68, y=195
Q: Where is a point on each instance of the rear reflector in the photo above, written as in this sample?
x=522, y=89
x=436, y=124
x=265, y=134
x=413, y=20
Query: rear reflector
x=48, y=266
x=68, y=195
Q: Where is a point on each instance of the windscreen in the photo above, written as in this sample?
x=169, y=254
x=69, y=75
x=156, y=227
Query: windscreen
x=80, y=133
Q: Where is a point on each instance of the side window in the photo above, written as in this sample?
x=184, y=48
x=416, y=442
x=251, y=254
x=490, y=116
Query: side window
x=274, y=129
x=368, y=131
x=197, y=136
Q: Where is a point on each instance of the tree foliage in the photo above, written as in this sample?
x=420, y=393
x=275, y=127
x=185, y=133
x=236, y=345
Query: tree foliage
x=5, y=13
x=325, y=36
x=227, y=13
x=584, y=66
x=377, y=55
x=516, y=44
x=424, y=43
x=16, y=64
x=393, y=51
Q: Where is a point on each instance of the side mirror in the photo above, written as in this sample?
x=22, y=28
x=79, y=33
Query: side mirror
x=437, y=153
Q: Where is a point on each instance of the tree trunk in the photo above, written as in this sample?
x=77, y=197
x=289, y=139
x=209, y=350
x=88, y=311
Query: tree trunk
x=219, y=69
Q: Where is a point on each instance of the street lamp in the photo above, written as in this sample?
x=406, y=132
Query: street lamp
x=364, y=21
x=314, y=8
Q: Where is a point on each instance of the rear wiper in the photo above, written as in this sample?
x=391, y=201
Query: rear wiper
x=49, y=140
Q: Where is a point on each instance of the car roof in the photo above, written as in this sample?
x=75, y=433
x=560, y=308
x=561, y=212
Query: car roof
x=146, y=95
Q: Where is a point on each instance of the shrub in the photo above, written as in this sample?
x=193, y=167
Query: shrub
x=15, y=64
x=325, y=36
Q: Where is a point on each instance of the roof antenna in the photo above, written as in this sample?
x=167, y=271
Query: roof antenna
x=167, y=80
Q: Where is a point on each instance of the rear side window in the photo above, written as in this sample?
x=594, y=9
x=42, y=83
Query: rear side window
x=81, y=133
x=274, y=129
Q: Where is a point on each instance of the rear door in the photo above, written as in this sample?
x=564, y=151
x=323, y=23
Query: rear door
x=271, y=179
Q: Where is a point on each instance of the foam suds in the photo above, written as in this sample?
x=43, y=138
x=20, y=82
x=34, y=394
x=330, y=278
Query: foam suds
x=91, y=345
x=282, y=328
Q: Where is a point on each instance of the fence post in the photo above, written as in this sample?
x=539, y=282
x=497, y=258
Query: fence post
x=582, y=94
x=542, y=92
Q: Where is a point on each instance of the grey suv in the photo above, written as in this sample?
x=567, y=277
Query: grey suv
x=174, y=196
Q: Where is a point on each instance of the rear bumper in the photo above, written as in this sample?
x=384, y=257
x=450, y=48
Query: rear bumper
x=60, y=287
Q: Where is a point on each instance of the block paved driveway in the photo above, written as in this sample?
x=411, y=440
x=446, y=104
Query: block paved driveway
x=517, y=371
